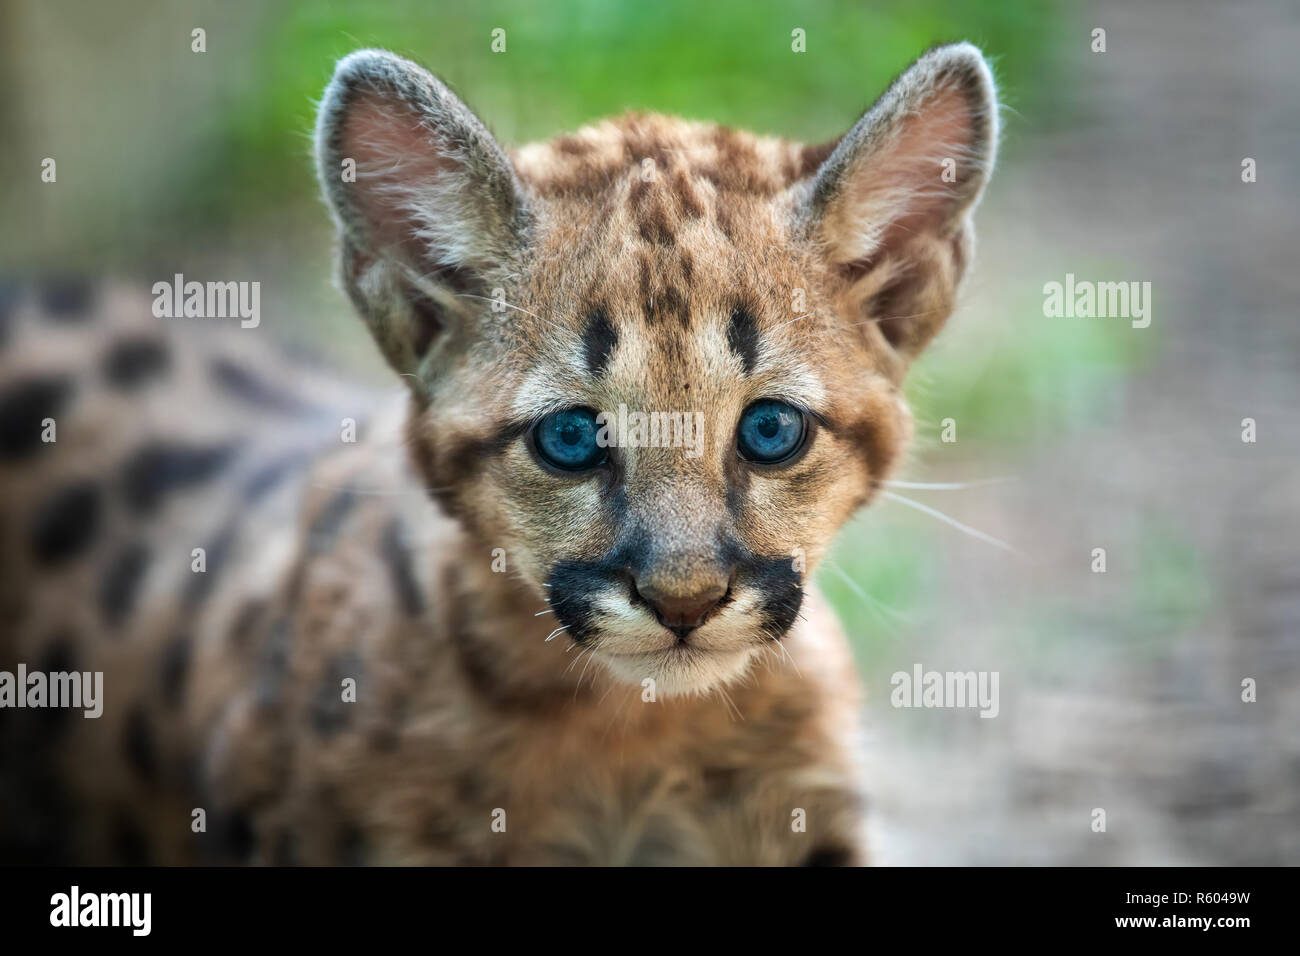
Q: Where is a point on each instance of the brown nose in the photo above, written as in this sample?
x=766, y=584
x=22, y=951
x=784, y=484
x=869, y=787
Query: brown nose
x=682, y=613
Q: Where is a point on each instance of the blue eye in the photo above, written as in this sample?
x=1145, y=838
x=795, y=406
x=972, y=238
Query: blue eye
x=770, y=431
x=567, y=440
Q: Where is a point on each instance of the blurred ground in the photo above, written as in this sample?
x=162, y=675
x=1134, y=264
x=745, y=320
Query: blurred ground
x=1123, y=690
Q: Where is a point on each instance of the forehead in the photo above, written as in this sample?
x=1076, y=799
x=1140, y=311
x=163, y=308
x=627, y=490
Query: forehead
x=663, y=246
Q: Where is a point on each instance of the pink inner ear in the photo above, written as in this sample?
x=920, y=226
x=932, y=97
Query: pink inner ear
x=897, y=189
x=400, y=164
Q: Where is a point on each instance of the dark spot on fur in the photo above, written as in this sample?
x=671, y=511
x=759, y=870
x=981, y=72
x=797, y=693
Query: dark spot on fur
x=234, y=838
x=572, y=146
x=159, y=468
x=268, y=476
x=216, y=556
x=130, y=845
x=687, y=201
x=59, y=658
x=352, y=849
x=396, y=553
x=242, y=383
x=737, y=166
x=742, y=337
x=726, y=225
x=598, y=341
x=246, y=621
x=286, y=849
x=829, y=855
x=273, y=665
x=141, y=749
x=329, y=712
x=121, y=582
x=66, y=522
x=67, y=299
x=131, y=362
x=688, y=267
x=23, y=406
x=174, y=669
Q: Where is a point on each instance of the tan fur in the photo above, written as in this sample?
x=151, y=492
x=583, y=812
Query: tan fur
x=479, y=273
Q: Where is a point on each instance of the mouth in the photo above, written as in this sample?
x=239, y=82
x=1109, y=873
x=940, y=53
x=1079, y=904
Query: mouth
x=678, y=669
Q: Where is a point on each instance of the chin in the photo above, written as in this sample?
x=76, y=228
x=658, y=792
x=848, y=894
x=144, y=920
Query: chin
x=681, y=670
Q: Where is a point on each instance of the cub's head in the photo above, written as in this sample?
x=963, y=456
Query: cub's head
x=657, y=362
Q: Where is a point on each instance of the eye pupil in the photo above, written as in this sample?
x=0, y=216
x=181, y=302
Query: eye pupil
x=770, y=431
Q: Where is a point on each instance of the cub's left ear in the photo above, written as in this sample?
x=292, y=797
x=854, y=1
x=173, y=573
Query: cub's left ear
x=890, y=207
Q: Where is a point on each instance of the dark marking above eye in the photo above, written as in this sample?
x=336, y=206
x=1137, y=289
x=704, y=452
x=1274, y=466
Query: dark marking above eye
x=23, y=406
x=131, y=362
x=598, y=341
x=742, y=337
x=159, y=468
x=66, y=522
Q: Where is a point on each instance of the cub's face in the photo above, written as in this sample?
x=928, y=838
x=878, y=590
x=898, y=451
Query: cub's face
x=657, y=362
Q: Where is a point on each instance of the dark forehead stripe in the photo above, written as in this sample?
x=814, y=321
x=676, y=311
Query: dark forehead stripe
x=742, y=337
x=668, y=303
x=598, y=341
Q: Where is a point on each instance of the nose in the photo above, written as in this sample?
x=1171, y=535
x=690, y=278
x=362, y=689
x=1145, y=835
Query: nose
x=682, y=613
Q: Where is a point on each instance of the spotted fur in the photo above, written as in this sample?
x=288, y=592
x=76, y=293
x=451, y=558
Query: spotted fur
x=647, y=262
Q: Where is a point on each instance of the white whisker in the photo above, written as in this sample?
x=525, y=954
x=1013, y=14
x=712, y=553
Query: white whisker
x=948, y=485
x=935, y=513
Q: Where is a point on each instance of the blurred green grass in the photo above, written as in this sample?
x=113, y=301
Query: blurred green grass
x=570, y=63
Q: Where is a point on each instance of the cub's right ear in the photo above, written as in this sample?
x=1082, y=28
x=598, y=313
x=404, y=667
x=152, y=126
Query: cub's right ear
x=427, y=205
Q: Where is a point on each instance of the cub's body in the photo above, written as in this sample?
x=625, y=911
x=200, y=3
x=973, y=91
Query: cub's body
x=335, y=628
